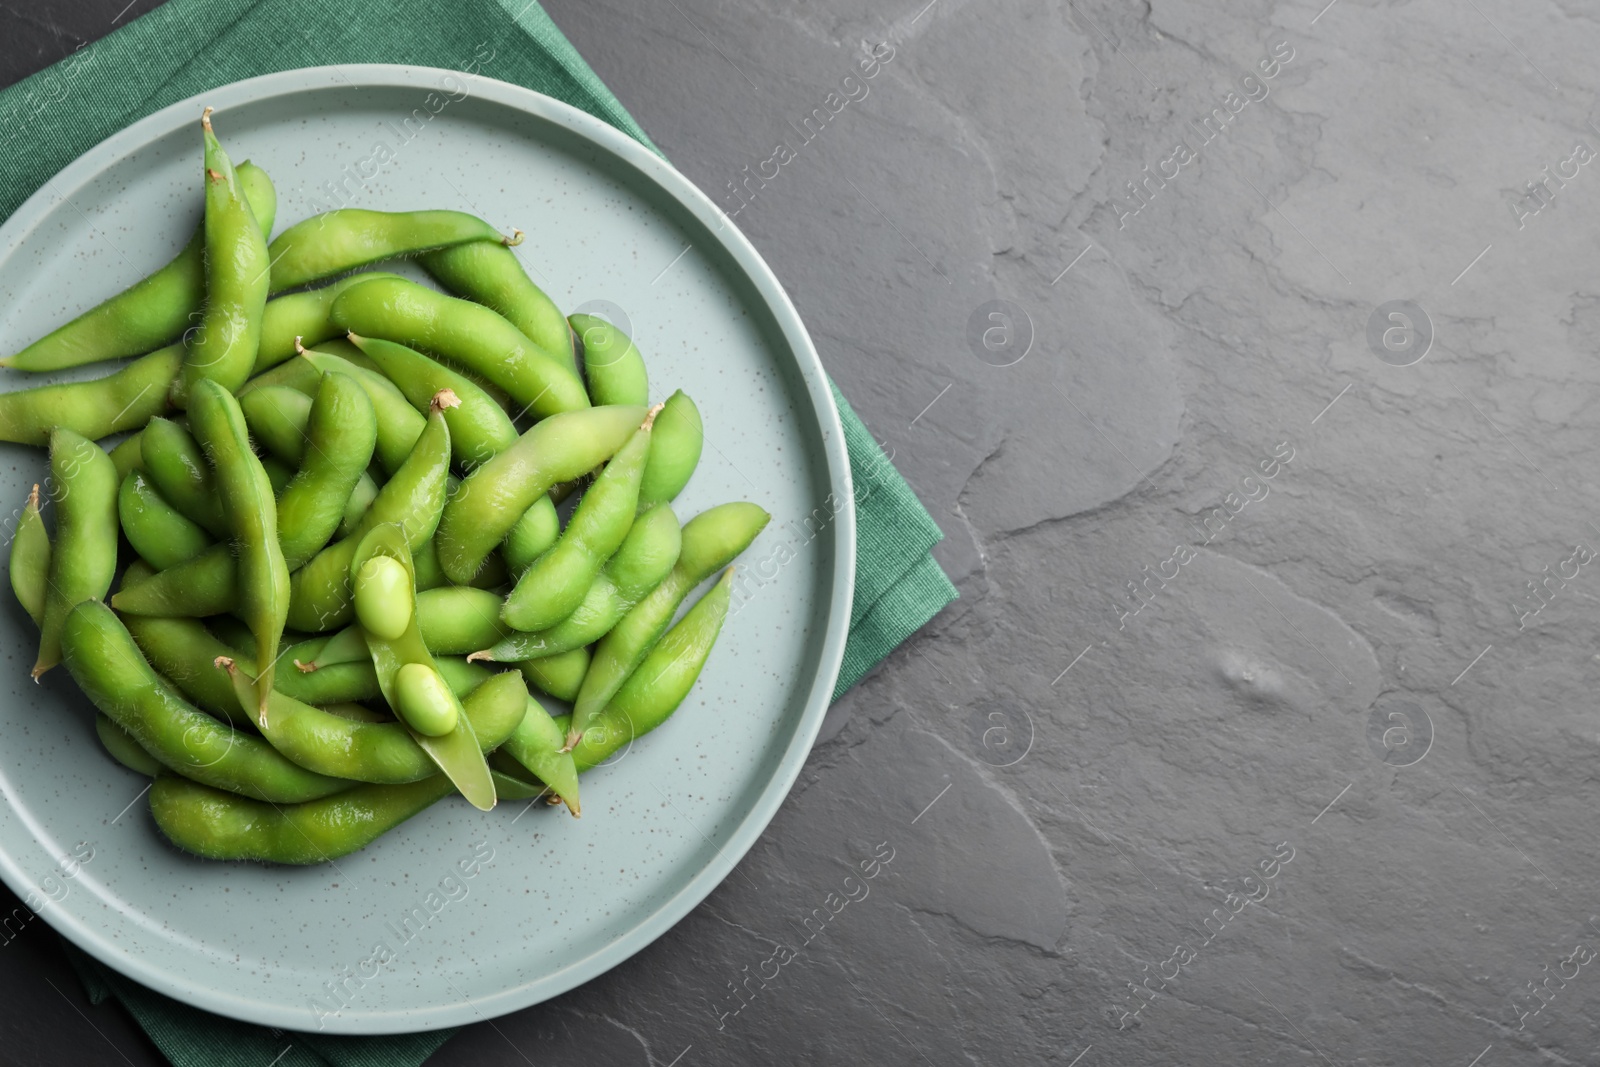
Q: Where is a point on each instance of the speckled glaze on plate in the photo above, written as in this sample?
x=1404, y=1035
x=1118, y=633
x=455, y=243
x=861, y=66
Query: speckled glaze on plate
x=458, y=915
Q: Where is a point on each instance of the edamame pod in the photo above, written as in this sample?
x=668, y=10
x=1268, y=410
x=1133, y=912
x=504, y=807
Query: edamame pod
x=675, y=447
x=554, y=586
x=492, y=498
x=224, y=348
x=207, y=584
x=479, y=426
x=161, y=535
x=154, y=312
x=106, y=664
x=456, y=619
x=220, y=826
x=95, y=409
x=339, y=437
x=532, y=536
x=83, y=487
x=277, y=417
x=301, y=317
x=252, y=514
x=30, y=559
x=663, y=680
x=357, y=506
x=123, y=748
x=347, y=238
x=467, y=334
x=537, y=745
x=128, y=455
x=181, y=474
x=489, y=273
x=560, y=676
x=611, y=362
x=399, y=424
x=711, y=540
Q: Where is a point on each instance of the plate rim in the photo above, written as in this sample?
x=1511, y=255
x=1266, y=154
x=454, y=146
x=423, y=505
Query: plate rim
x=168, y=979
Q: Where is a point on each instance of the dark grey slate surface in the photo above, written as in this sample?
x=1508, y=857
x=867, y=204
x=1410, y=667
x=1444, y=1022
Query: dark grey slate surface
x=1245, y=743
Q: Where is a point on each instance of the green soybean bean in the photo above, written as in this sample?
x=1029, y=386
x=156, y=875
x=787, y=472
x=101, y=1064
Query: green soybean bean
x=399, y=424
x=560, y=675
x=123, y=748
x=383, y=598
x=219, y=826
x=611, y=362
x=675, y=448
x=95, y=409
x=83, y=487
x=154, y=311
x=106, y=664
x=341, y=432
x=457, y=619
x=341, y=240
x=554, y=586
x=423, y=701
x=469, y=335
x=644, y=560
x=30, y=559
x=532, y=536
x=301, y=317
x=711, y=540
x=479, y=426
x=128, y=455
x=492, y=498
x=489, y=273
x=536, y=744
x=224, y=348
x=457, y=751
x=321, y=590
x=158, y=532
x=663, y=680
x=252, y=513
x=179, y=469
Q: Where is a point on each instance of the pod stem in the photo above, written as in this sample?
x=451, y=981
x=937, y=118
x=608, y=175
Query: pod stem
x=299, y=346
x=650, y=416
x=514, y=240
x=482, y=654
x=444, y=398
x=205, y=119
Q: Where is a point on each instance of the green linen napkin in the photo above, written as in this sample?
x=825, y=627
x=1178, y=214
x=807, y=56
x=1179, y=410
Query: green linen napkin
x=188, y=46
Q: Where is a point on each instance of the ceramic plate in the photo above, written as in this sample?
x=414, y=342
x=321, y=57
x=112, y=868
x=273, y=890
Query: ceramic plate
x=458, y=915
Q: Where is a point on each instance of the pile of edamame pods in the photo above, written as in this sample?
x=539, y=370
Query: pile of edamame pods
x=345, y=564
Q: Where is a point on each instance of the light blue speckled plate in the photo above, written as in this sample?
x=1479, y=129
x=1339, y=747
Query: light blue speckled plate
x=458, y=915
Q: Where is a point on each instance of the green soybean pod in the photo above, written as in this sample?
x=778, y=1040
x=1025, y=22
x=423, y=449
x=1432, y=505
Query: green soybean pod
x=357, y=506
x=457, y=619
x=108, y=667
x=347, y=238
x=178, y=467
x=560, y=675
x=223, y=349
x=30, y=559
x=536, y=744
x=469, y=335
x=120, y=744
x=489, y=273
x=663, y=680
x=711, y=540
x=492, y=498
x=479, y=426
x=158, y=532
x=532, y=536
x=279, y=474
x=154, y=311
x=340, y=434
x=611, y=362
x=252, y=512
x=128, y=455
x=675, y=447
x=399, y=424
x=277, y=417
x=83, y=487
x=216, y=825
x=555, y=584
x=207, y=584
x=303, y=318
x=96, y=408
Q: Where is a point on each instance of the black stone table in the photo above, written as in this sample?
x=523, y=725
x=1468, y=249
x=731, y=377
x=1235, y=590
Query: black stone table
x=1246, y=355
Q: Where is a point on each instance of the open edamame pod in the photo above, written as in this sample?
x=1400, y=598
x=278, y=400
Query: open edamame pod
x=303, y=318
x=675, y=447
x=711, y=540
x=347, y=238
x=489, y=273
x=154, y=311
x=612, y=364
x=555, y=584
x=479, y=426
x=160, y=533
x=30, y=559
x=341, y=431
x=223, y=349
x=492, y=498
x=83, y=487
x=427, y=706
x=95, y=409
x=537, y=745
x=252, y=514
x=469, y=335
